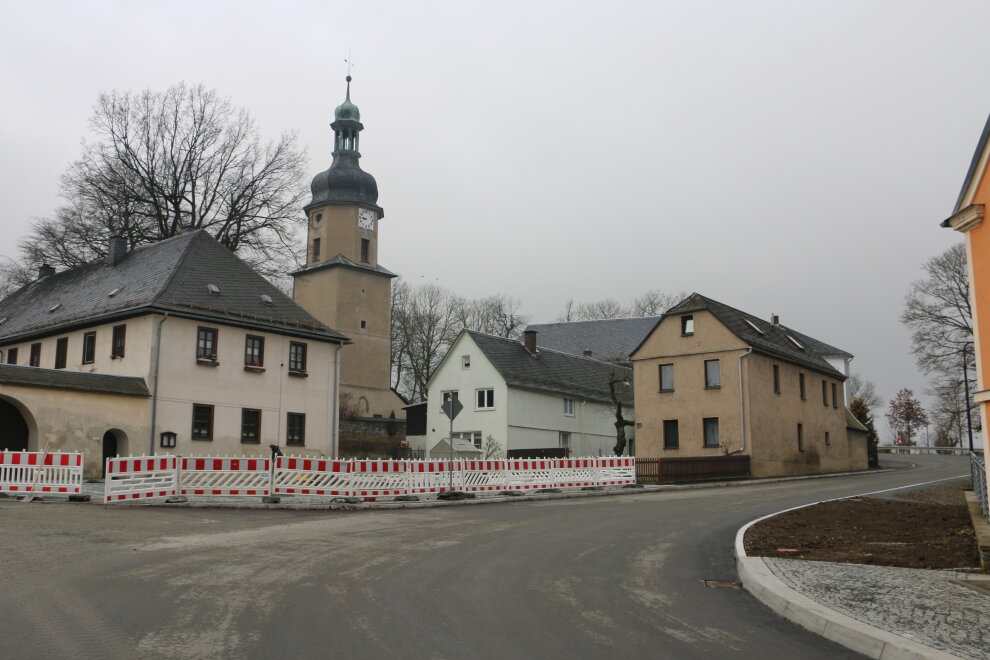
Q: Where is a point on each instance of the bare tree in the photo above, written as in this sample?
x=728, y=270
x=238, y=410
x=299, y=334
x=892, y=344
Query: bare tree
x=608, y=308
x=424, y=325
x=859, y=387
x=495, y=315
x=651, y=303
x=655, y=303
x=162, y=162
x=491, y=448
x=12, y=277
x=619, y=389
x=569, y=313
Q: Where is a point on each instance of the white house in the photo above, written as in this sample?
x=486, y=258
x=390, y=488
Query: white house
x=524, y=397
x=176, y=347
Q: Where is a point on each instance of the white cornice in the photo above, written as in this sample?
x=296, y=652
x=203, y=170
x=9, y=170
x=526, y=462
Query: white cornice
x=968, y=218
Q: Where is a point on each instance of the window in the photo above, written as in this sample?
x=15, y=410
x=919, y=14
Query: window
x=365, y=245
x=824, y=393
x=167, y=439
x=801, y=384
x=486, y=399
x=297, y=356
x=295, y=429
x=451, y=394
x=666, y=378
x=687, y=325
x=61, y=352
x=568, y=407
x=364, y=324
x=316, y=249
x=12, y=356
x=474, y=437
x=828, y=441
x=250, y=426
x=754, y=326
x=564, y=440
x=711, y=431
x=835, y=397
x=254, y=351
x=670, y=439
x=206, y=344
x=89, y=348
x=465, y=362
x=800, y=437
x=776, y=379
x=794, y=342
x=713, y=376
x=35, y=359
x=202, y=424
x=118, y=341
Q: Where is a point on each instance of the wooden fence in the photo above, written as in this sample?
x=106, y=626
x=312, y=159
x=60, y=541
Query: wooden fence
x=700, y=468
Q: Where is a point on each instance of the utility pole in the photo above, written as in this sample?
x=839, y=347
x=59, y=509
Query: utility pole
x=969, y=417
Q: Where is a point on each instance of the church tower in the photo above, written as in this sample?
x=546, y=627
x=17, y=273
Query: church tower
x=343, y=284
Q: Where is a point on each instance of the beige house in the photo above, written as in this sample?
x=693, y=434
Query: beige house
x=712, y=380
x=176, y=347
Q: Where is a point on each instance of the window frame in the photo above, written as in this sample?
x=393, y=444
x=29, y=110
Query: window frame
x=776, y=379
x=675, y=443
x=316, y=249
x=12, y=355
x=803, y=388
x=118, y=341
x=835, y=400
x=365, y=251
x=250, y=361
x=828, y=440
x=474, y=437
x=196, y=420
x=61, y=352
x=718, y=375
x=687, y=325
x=299, y=429
x=489, y=402
x=825, y=393
x=564, y=440
x=800, y=436
x=568, y=407
x=246, y=425
x=297, y=364
x=89, y=347
x=707, y=422
x=204, y=335
x=673, y=383
x=34, y=358
x=465, y=362
x=447, y=394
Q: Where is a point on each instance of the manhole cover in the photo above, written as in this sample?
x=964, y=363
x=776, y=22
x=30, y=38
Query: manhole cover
x=723, y=584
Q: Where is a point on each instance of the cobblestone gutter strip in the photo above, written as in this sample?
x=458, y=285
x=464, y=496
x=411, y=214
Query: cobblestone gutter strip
x=881, y=612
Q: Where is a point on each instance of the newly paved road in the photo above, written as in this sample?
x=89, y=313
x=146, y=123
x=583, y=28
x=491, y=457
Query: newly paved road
x=589, y=578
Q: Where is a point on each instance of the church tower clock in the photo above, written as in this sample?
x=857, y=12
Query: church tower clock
x=342, y=284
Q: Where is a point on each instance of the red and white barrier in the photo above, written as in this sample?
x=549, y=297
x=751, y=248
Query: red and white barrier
x=310, y=476
x=576, y=472
x=41, y=472
x=483, y=476
x=140, y=477
x=433, y=477
x=378, y=478
x=529, y=473
x=225, y=476
x=616, y=470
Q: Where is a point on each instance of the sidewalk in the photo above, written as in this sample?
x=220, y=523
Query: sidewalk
x=880, y=611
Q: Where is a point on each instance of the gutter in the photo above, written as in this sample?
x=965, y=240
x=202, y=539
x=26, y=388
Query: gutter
x=154, y=394
x=335, y=412
x=742, y=405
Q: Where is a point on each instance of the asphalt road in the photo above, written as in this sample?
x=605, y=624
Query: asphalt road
x=589, y=578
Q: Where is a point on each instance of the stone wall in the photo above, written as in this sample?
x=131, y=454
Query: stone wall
x=372, y=437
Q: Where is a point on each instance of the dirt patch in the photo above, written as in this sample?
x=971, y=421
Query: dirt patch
x=925, y=528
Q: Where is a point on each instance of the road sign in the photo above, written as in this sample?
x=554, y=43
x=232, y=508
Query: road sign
x=451, y=407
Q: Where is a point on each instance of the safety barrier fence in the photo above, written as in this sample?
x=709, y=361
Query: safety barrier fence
x=978, y=474
x=33, y=472
x=164, y=476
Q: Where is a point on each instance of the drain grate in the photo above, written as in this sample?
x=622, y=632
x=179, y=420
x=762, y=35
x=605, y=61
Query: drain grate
x=723, y=584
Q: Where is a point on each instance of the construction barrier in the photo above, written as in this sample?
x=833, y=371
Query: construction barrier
x=225, y=476
x=163, y=476
x=142, y=477
x=41, y=472
x=310, y=476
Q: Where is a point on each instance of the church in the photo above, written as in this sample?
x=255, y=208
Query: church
x=179, y=347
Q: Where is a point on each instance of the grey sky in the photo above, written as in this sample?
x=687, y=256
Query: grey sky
x=788, y=157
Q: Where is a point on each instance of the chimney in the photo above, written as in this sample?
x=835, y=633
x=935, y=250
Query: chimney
x=117, y=250
x=45, y=271
x=586, y=353
x=774, y=319
x=529, y=341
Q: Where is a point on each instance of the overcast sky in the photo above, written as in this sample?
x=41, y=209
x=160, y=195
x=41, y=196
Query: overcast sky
x=781, y=157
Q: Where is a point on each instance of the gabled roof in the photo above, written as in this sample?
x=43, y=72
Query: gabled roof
x=611, y=340
x=767, y=338
x=72, y=380
x=551, y=371
x=974, y=172
x=169, y=276
x=342, y=261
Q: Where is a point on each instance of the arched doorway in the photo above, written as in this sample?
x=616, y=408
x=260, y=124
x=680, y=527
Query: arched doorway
x=114, y=444
x=14, y=432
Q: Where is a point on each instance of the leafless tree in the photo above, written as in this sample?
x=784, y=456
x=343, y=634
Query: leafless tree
x=655, y=303
x=859, y=387
x=424, y=325
x=569, y=312
x=619, y=392
x=607, y=308
x=494, y=315
x=12, y=277
x=162, y=162
x=491, y=448
x=651, y=303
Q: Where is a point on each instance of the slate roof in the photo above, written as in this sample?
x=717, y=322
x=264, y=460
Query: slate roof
x=973, y=166
x=772, y=342
x=341, y=260
x=611, y=340
x=550, y=370
x=72, y=380
x=168, y=276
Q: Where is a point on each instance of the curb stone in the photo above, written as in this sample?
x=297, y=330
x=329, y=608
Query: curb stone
x=756, y=577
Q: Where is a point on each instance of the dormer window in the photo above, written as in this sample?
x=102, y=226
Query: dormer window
x=213, y=289
x=753, y=326
x=267, y=299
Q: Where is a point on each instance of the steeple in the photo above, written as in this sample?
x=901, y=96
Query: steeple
x=345, y=182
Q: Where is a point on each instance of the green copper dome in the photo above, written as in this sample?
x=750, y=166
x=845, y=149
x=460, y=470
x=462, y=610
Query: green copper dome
x=347, y=110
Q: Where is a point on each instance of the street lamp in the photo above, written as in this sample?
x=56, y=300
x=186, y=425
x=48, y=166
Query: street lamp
x=969, y=417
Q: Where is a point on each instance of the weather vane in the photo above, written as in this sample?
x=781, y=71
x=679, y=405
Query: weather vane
x=349, y=64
